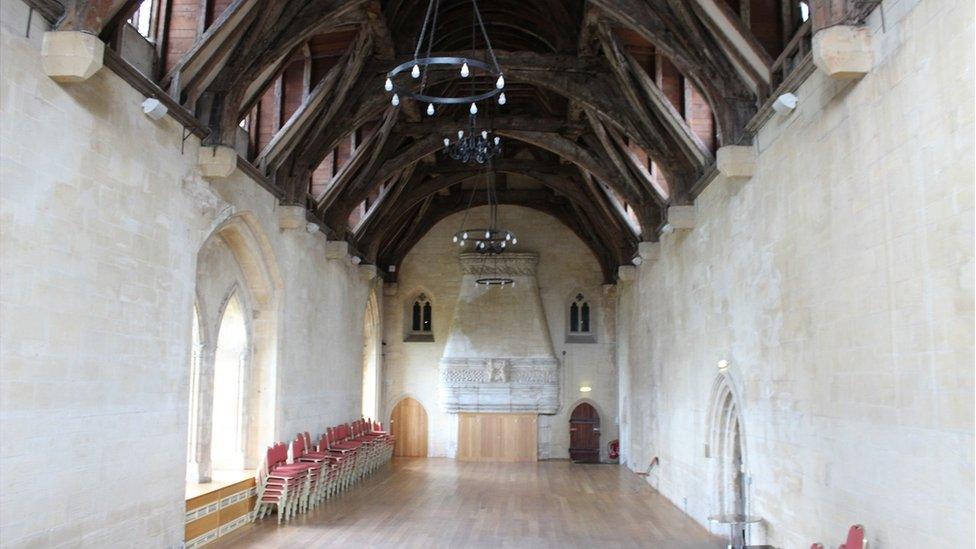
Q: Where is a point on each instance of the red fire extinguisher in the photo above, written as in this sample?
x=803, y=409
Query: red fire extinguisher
x=613, y=449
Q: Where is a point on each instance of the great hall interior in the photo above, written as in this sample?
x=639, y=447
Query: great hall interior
x=499, y=273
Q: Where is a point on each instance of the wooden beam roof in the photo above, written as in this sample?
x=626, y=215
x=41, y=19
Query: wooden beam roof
x=579, y=105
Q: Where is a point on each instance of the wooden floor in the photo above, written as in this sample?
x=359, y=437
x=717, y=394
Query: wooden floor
x=430, y=503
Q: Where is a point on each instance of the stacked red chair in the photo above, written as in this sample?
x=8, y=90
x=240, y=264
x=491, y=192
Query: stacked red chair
x=280, y=484
x=339, y=442
x=344, y=455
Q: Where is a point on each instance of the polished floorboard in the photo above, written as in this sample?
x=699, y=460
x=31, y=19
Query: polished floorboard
x=427, y=503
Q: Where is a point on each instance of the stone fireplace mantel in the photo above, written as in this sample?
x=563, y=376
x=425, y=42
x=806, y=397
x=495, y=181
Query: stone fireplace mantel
x=498, y=356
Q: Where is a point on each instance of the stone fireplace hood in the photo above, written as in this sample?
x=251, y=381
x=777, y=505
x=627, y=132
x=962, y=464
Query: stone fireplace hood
x=498, y=356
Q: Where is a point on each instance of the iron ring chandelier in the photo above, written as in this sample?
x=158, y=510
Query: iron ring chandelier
x=495, y=281
x=491, y=241
x=465, y=64
x=460, y=62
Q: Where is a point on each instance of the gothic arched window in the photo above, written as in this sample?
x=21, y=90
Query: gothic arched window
x=580, y=321
x=421, y=319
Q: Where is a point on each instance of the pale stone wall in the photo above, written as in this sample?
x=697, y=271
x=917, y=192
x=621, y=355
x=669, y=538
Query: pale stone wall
x=101, y=221
x=566, y=266
x=838, y=282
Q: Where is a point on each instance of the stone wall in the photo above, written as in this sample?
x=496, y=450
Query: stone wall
x=101, y=221
x=566, y=267
x=838, y=283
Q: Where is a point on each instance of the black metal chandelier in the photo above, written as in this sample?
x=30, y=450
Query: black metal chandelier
x=419, y=68
x=473, y=146
x=489, y=240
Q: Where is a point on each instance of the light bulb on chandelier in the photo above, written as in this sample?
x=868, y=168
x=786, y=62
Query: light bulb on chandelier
x=464, y=70
x=415, y=72
x=395, y=100
x=430, y=109
x=501, y=99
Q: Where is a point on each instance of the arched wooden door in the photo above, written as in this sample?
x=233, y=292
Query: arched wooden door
x=584, y=434
x=408, y=423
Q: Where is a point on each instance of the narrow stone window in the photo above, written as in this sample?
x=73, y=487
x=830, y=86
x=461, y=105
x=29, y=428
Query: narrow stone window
x=421, y=319
x=427, y=325
x=580, y=324
x=416, y=317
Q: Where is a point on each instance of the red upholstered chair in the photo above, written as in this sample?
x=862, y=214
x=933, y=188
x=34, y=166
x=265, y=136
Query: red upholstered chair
x=352, y=450
x=333, y=468
x=326, y=466
x=313, y=468
x=376, y=428
x=855, y=538
x=376, y=441
x=280, y=484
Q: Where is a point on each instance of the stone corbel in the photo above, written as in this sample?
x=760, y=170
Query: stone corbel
x=626, y=273
x=71, y=56
x=736, y=162
x=649, y=252
x=843, y=52
x=681, y=217
x=290, y=217
x=368, y=273
x=216, y=162
x=336, y=249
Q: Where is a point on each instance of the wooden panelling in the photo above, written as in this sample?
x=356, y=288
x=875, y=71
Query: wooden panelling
x=235, y=510
x=232, y=489
x=497, y=437
x=201, y=500
x=226, y=502
x=408, y=423
x=201, y=526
